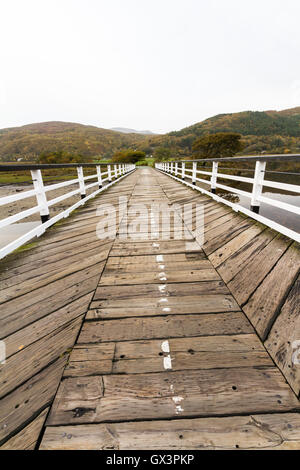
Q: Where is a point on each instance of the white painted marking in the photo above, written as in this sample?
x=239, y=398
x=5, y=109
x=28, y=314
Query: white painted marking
x=159, y=258
x=165, y=346
x=161, y=266
x=179, y=409
x=164, y=299
x=177, y=399
x=155, y=245
x=168, y=362
x=166, y=309
x=162, y=287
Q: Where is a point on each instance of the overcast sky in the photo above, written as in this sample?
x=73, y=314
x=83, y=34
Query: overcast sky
x=146, y=64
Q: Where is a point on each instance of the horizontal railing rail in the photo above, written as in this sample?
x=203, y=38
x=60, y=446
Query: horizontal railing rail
x=177, y=169
x=104, y=179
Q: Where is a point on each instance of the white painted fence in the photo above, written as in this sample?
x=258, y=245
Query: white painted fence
x=178, y=171
x=41, y=191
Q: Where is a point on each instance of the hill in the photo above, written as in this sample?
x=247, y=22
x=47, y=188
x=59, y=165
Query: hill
x=265, y=131
x=28, y=142
x=268, y=131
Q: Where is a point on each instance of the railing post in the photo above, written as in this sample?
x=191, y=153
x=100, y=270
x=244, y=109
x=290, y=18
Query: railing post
x=257, y=188
x=183, y=170
x=38, y=185
x=99, y=175
x=194, y=173
x=109, y=173
x=213, y=179
x=81, y=181
x=171, y=168
x=176, y=168
x=116, y=171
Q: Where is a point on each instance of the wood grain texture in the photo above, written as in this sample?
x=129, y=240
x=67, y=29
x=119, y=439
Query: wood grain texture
x=258, y=432
x=27, y=438
x=171, y=394
x=126, y=329
x=165, y=355
x=264, y=304
x=283, y=341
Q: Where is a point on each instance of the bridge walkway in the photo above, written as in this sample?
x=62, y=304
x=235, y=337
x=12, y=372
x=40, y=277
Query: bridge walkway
x=151, y=343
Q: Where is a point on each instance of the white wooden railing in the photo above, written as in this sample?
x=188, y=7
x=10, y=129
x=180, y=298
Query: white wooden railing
x=104, y=179
x=179, y=171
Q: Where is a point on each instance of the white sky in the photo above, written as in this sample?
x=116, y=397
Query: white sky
x=146, y=64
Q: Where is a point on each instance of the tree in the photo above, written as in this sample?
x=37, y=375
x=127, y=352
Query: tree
x=222, y=144
x=60, y=157
x=162, y=153
x=128, y=156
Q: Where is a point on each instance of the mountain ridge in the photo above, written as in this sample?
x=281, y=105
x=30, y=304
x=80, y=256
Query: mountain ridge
x=268, y=131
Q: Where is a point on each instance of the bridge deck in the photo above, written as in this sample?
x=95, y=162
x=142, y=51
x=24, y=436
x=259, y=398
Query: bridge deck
x=123, y=344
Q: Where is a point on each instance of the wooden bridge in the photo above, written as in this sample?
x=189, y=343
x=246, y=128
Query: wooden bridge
x=152, y=343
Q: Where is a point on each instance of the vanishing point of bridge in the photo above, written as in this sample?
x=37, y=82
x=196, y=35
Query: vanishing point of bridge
x=148, y=344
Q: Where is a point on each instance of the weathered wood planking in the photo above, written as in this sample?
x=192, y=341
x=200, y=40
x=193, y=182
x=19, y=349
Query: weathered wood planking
x=25, y=402
x=46, y=291
x=283, y=341
x=30, y=360
x=140, y=296
x=267, y=431
x=136, y=357
x=27, y=438
x=127, y=329
x=171, y=394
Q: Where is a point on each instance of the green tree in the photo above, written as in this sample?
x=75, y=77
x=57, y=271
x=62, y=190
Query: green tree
x=222, y=144
x=162, y=153
x=128, y=156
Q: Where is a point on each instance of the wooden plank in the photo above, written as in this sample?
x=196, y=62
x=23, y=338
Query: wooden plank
x=224, y=252
x=136, y=357
x=273, y=431
x=165, y=306
x=241, y=258
x=30, y=360
x=172, y=394
x=190, y=354
x=224, y=233
x=90, y=359
x=152, y=290
x=264, y=304
x=24, y=261
x=176, y=326
x=243, y=285
x=27, y=438
x=283, y=340
x=24, y=310
x=150, y=248
x=45, y=279
x=164, y=275
x=153, y=265
x=41, y=328
x=35, y=271
x=24, y=403
x=190, y=259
